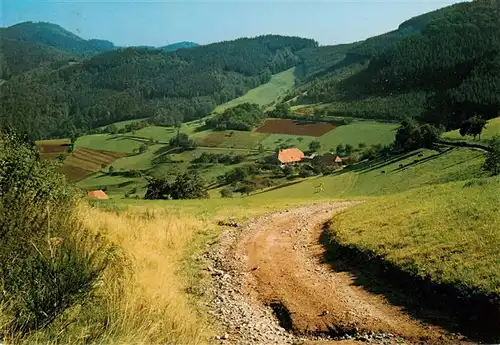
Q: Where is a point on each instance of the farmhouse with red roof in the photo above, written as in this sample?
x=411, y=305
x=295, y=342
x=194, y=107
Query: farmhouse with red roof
x=290, y=156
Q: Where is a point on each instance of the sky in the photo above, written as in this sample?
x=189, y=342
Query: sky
x=158, y=23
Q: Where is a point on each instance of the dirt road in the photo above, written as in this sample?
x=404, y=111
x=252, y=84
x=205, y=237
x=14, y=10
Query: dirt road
x=271, y=286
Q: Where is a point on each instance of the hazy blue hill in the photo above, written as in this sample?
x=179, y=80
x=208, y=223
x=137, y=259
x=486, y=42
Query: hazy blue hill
x=55, y=36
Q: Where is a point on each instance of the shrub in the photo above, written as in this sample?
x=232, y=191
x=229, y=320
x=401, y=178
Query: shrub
x=411, y=136
x=143, y=148
x=314, y=145
x=188, y=185
x=242, y=117
x=306, y=172
x=216, y=158
x=47, y=262
x=349, y=149
x=226, y=193
x=492, y=162
x=351, y=159
x=248, y=187
x=288, y=170
x=473, y=126
x=182, y=141
x=238, y=174
x=340, y=149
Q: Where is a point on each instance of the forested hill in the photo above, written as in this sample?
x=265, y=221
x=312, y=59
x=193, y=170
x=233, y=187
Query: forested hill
x=17, y=57
x=377, y=45
x=179, y=45
x=136, y=83
x=318, y=61
x=445, y=70
x=54, y=36
x=29, y=45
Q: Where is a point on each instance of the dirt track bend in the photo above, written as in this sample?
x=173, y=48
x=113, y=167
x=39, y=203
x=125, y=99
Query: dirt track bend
x=276, y=261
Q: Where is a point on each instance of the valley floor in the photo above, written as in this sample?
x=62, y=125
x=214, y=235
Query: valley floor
x=188, y=280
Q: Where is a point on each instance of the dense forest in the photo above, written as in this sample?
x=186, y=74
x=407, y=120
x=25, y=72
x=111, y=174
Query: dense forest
x=319, y=59
x=452, y=56
x=17, y=57
x=135, y=83
x=327, y=59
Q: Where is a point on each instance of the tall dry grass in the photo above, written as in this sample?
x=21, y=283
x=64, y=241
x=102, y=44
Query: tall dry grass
x=148, y=304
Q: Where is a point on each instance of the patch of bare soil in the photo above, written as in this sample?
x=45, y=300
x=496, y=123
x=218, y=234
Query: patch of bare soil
x=271, y=286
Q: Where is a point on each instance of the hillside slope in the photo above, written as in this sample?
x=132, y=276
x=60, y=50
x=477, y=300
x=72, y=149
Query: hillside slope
x=55, y=36
x=451, y=57
x=17, y=57
x=142, y=83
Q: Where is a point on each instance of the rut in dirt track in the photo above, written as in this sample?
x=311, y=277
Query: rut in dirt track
x=277, y=263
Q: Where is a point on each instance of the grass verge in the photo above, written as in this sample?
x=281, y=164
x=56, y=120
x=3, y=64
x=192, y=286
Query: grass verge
x=443, y=238
x=152, y=307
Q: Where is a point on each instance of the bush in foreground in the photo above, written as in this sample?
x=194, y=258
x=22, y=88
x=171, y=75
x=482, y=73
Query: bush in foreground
x=47, y=262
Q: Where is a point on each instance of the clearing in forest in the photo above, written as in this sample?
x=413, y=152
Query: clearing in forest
x=264, y=94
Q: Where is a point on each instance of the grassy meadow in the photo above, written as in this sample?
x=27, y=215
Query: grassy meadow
x=53, y=142
x=155, y=132
x=108, y=142
x=153, y=307
x=385, y=177
x=492, y=129
x=448, y=232
x=232, y=139
x=264, y=94
x=117, y=186
x=225, y=142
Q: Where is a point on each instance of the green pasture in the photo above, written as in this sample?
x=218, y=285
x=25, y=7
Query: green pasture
x=264, y=94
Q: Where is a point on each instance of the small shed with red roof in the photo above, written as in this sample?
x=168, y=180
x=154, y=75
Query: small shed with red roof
x=97, y=194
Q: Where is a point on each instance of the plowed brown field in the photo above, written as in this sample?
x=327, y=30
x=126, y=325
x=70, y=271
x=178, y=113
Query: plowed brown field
x=293, y=127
